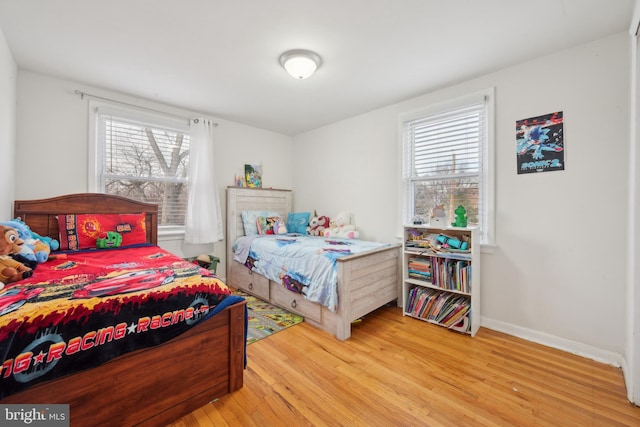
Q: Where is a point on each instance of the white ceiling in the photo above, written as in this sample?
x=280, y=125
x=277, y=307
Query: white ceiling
x=221, y=56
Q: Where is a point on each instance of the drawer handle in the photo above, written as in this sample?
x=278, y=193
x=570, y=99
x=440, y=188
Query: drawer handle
x=294, y=303
x=250, y=271
x=250, y=286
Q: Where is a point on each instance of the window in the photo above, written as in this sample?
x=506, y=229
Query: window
x=144, y=157
x=447, y=153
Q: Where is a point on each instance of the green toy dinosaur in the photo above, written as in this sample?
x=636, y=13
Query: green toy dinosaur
x=461, y=217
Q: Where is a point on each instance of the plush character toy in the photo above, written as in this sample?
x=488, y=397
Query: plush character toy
x=35, y=248
x=27, y=254
x=109, y=240
x=279, y=227
x=52, y=243
x=317, y=225
x=10, y=269
x=343, y=227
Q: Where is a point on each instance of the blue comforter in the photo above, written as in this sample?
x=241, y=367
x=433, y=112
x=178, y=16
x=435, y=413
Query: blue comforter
x=303, y=264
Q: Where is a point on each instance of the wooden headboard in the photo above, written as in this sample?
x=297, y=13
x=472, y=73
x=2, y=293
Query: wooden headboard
x=41, y=215
x=252, y=199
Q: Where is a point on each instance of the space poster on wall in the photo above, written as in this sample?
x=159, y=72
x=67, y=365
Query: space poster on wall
x=540, y=143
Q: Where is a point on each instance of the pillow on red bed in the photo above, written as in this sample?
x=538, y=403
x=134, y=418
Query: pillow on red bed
x=80, y=231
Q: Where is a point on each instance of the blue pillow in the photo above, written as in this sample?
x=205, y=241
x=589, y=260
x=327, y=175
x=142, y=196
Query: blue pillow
x=297, y=222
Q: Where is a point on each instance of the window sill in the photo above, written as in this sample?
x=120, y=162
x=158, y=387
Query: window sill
x=487, y=248
x=170, y=233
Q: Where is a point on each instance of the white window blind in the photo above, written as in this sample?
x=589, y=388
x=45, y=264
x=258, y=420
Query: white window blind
x=145, y=161
x=443, y=162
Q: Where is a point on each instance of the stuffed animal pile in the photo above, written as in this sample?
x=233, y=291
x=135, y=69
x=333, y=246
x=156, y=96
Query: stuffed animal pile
x=317, y=225
x=10, y=269
x=35, y=248
x=342, y=227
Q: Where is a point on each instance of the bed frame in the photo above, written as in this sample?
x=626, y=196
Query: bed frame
x=366, y=281
x=147, y=387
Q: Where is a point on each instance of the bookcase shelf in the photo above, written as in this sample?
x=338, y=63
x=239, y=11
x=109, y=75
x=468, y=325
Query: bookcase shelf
x=441, y=276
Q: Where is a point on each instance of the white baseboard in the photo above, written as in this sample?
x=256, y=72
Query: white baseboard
x=574, y=347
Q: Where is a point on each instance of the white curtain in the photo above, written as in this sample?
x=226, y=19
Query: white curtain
x=204, y=218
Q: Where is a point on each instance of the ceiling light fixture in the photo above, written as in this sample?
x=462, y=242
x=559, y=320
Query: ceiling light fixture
x=300, y=63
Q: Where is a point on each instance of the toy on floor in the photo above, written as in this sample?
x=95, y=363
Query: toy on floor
x=10, y=269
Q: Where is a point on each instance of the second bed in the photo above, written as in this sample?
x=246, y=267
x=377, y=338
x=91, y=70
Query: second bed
x=365, y=281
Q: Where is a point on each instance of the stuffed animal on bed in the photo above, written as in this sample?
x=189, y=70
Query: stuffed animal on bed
x=342, y=227
x=53, y=244
x=317, y=225
x=280, y=227
x=35, y=248
x=10, y=269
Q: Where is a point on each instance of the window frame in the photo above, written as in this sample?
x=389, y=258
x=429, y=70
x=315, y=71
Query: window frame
x=96, y=180
x=487, y=187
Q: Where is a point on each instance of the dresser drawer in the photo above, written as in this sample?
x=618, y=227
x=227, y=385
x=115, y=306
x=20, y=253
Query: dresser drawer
x=295, y=302
x=243, y=278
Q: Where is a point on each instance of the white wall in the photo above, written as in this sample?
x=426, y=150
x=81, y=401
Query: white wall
x=52, y=143
x=557, y=272
x=8, y=88
x=631, y=362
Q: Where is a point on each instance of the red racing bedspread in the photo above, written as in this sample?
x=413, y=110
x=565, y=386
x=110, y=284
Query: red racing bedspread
x=83, y=310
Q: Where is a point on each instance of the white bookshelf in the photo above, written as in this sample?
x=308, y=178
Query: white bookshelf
x=441, y=282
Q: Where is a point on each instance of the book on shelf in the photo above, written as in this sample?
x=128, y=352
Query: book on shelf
x=455, y=312
x=462, y=326
x=419, y=268
x=456, y=315
x=451, y=274
x=432, y=298
x=438, y=306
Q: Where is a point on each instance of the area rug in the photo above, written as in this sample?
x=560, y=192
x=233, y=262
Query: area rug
x=266, y=319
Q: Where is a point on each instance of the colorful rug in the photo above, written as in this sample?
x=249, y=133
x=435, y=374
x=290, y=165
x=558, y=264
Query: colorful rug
x=266, y=319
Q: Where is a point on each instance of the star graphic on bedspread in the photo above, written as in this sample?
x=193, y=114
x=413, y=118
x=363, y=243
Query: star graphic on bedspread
x=39, y=358
x=132, y=328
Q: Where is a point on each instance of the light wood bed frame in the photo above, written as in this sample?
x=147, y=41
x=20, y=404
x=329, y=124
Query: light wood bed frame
x=148, y=387
x=366, y=281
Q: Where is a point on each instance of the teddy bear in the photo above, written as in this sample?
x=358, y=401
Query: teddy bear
x=10, y=269
x=342, y=227
x=317, y=225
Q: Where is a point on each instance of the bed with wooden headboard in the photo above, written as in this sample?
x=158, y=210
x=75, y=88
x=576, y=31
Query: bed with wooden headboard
x=366, y=281
x=152, y=386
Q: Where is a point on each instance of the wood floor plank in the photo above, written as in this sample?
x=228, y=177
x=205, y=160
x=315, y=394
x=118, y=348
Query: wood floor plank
x=399, y=371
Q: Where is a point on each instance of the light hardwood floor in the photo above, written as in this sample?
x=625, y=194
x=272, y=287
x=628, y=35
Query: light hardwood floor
x=399, y=371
